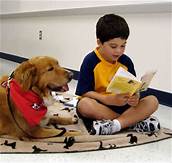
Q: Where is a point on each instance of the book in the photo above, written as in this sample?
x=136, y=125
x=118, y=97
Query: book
x=125, y=82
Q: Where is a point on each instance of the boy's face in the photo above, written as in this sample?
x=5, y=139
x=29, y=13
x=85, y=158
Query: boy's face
x=111, y=50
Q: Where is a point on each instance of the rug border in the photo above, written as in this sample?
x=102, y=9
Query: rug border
x=132, y=145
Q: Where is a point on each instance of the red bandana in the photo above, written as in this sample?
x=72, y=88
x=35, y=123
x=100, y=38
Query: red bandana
x=29, y=104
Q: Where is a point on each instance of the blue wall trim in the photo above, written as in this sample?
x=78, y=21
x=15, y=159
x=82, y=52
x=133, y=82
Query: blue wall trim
x=13, y=58
x=19, y=59
x=165, y=98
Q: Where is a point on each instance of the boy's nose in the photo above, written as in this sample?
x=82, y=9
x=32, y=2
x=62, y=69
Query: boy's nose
x=118, y=50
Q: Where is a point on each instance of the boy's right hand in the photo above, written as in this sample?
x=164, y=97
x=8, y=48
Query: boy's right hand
x=117, y=99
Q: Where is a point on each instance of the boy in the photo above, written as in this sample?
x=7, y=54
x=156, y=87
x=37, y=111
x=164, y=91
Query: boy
x=110, y=112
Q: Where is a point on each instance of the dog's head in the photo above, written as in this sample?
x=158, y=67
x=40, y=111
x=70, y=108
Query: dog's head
x=42, y=75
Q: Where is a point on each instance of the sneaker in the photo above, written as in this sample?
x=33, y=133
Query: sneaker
x=102, y=127
x=149, y=125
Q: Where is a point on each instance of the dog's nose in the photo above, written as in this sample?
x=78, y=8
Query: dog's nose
x=70, y=75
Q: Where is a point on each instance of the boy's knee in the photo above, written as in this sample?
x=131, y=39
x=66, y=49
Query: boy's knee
x=153, y=101
x=83, y=102
x=83, y=105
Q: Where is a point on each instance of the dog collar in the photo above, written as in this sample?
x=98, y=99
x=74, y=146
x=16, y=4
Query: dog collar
x=28, y=103
x=6, y=83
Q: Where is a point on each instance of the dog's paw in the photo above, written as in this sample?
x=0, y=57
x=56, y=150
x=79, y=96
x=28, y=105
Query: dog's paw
x=24, y=138
x=75, y=119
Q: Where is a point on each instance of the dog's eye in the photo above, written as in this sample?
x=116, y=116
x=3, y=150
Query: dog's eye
x=50, y=69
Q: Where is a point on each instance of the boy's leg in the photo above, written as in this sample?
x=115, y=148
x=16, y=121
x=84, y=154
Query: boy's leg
x=130, y=117
x=90, y=108
x=146, y=107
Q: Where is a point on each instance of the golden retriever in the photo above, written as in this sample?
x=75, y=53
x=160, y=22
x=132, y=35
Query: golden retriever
x=20, y=115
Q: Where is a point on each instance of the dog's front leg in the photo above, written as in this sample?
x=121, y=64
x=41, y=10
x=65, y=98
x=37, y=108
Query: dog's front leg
x=41, y=133
x=60, y=120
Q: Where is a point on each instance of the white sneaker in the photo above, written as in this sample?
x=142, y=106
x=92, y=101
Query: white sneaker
x=149, y=125
x=102, y=127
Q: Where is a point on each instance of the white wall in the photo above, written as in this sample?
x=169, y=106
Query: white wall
x=70, y=37
x=7, y=67
x=0, y=34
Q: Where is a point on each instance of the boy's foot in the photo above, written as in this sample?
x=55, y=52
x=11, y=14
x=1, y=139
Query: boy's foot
x=102, y=127
x=149, y=125
x=107, y=127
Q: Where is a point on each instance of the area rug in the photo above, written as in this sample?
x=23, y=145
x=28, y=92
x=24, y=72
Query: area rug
x=84, y=142
x=81, y=143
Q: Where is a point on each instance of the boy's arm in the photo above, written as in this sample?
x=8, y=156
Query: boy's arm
x=86, y=75
x=110, y=99
x=95, y=95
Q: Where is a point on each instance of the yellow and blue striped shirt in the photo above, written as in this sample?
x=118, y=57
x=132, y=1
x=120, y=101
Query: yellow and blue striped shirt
x=96, y=72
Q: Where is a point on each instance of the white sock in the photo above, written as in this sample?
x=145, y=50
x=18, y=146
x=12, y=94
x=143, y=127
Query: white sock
x=117, y=126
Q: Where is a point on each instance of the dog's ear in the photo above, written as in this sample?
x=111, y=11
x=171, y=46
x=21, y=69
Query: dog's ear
x=25, y=74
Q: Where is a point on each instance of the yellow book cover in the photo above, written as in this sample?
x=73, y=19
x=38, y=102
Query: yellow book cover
x=125, y=82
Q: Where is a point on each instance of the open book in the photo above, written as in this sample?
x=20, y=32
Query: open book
x=125, y=82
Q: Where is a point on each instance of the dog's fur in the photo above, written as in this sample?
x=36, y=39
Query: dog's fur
x=42, y=75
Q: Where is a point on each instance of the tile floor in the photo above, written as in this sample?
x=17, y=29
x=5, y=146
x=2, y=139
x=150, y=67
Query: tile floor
x=158, y=152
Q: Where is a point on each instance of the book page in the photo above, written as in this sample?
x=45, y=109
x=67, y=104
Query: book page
x=146, y=79
x=124, y=73
x=124, y=82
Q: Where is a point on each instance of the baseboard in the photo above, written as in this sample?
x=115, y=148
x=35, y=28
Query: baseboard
x=12, y=57
x=163, y=97
x=19, y=59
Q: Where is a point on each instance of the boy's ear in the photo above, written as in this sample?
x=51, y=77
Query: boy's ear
x=99, y=42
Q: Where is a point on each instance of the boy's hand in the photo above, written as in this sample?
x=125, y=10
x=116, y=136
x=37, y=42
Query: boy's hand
x=118, y=99
x=133, y=100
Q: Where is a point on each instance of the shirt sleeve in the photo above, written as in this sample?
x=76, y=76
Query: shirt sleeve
x=131, y=68
x=86, y=77
x=124, y=59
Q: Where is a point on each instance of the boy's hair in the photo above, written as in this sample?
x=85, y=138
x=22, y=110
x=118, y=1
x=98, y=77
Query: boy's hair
x=111, y=26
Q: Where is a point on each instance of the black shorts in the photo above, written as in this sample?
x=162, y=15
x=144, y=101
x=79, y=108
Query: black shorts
x=117, y=109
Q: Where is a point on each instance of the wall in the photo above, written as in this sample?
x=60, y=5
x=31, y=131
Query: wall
x=17, y=6
x=0, y=34
x=70, y=37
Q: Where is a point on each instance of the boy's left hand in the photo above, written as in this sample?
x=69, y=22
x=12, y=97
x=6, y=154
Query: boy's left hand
x=133, y=100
